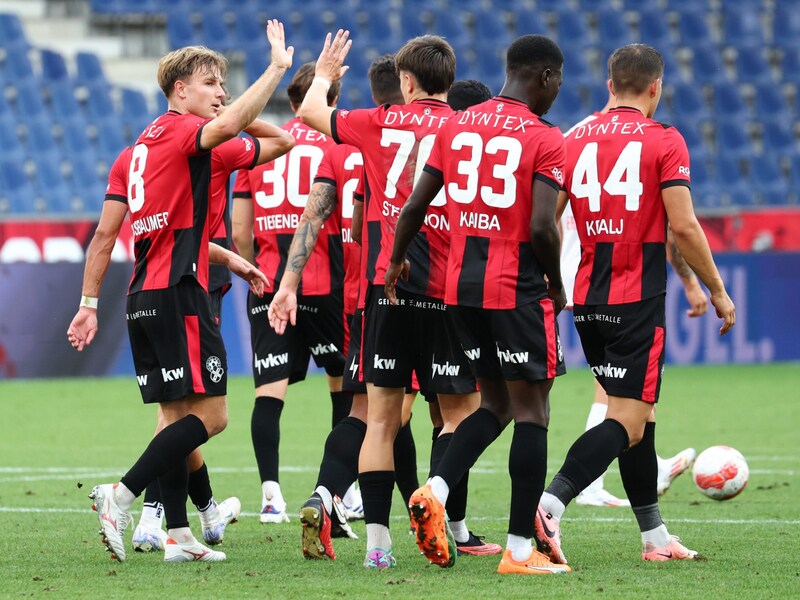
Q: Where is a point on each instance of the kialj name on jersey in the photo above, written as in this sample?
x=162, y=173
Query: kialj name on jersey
x=598, y=226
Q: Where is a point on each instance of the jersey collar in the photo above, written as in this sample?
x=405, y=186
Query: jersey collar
x=625, y=109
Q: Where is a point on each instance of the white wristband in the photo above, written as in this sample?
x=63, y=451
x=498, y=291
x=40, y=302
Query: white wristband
x=88, y=302
x=320, y=79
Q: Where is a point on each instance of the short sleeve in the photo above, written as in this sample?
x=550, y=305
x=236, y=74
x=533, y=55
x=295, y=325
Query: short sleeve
x=349, y=126
x=552, y=158
x=117, y=188
x=188, y=128
x=238, y=153
x=241, y=187
x=326, y=172
x=358, y=195
x=674, y=159
x=434, y=164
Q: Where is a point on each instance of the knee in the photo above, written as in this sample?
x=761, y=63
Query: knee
x=215, y=421
x=635, y=434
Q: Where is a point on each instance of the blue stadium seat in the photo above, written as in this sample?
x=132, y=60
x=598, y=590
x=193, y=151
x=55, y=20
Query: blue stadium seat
x=752, y=65
x=89, y=69
x=794, y=176
x=99, y=104
x=17, y=67
x=786, y=24
x=569, y=105
x=613, y=30
x=707, y=64
x=181, y=31
x=28, y=102
x=9, y=138
x=728, y=102
x=110, y=138
x=135, y=113
x=573, y=30
x=705, y=193
x=768, y=182
x=39, y=137
x=215, y=31
x=12, y=34
x=5, y=107
x=249, y=26
x=51, y=185
x=742, y=26
x=87, y=186
x=376, y=27
x=576, y=69
x=54, y=67
x=529, y=21
x=732, y=139
x=62, y=101
x=415, y=23
x=654, y=28
x=688, y=103
x=770, y=103
x=693, y=27
x=75, y=141
x=692, y=134
x=451, y=24
x=730, y=181
x=489, y=25
x=778, y=136
x=16, y=192
x=790, y=65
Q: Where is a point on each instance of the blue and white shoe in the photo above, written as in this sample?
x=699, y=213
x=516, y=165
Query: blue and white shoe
x=149, y=539
x=225, y=513
x=354, y=506
x=271, y=513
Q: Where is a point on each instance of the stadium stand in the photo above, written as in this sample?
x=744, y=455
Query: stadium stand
x=732, y=78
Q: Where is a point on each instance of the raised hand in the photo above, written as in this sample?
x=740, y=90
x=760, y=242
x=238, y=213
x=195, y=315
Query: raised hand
x=281, y=56
x=331, y=59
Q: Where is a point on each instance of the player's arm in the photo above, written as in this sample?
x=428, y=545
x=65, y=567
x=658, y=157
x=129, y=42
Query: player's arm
x=693, y=245
x=561, y=204
x=321, y=204
x=358, y=220
x=242, y=220
x=545, y=238
x=273, y=141
x=314, y=111
x=83, y=327
x=409, y=222
x=698, y=301
x=238, y=265
x=250, y=104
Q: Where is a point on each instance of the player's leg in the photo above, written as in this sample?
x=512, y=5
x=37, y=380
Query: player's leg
x=405, y=452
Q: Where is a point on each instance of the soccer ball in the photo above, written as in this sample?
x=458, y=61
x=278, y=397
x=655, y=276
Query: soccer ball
x=720, y=472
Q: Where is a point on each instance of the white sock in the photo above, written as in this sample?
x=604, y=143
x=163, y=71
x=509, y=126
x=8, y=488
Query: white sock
x=552, y=505
x=271, y=493
x=658, y=537
x=152, y=516
x=520, y=547
x=327, y=498
x=182, y=535
x=209, y=515
x=352, y=496
x=440, y=489
x=123, y=497
x=460, y=531
x=597, y=414
x=378, y=536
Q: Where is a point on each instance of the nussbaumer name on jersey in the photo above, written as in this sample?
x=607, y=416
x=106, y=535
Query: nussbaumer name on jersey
x=150, y=223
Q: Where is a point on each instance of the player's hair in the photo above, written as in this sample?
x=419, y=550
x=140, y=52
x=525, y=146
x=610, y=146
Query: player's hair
x=467, y=92
x=302, y=81
x=384, y=83
x=431, y=60
x=184, y=62
x=533, y=51
x=634, y=67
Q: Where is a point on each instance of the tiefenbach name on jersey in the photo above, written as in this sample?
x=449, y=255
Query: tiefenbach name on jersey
x=396, y=142
x=489, y=157
x=279, y=191
x=617, y=165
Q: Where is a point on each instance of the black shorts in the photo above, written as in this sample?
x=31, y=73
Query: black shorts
x=319, y=333
x=624, y=346
x=515, y=344
x=176, y=343
x=351, y=380
x=417, y=335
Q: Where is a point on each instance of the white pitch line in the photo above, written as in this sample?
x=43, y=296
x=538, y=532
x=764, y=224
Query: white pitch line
x=793, y=522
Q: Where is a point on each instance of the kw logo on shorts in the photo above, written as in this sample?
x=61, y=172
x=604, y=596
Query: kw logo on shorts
x=609, y=371
x=171, y=374
x=383, y=363
x=446, y=369
x=214, y=368
x=270, y=360
x=515, y=358
x=323, y=349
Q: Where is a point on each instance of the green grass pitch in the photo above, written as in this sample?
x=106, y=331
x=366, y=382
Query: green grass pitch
x=59, y=438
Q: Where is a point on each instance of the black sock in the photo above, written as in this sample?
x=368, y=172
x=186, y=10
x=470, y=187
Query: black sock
x=638, y=467
x=405, y=462
x=341, y=403
x=168, y=448
x=457, y=498
x=265, y=429
x=473, y=436
x=152, y=498
x=588, y=458
x=527, y=466
x=339, y=466
x=200, y=488
x=376, y=494
x=173, y=485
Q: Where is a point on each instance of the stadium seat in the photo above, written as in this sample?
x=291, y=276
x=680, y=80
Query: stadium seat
x=742, y=26
x=785, y=24
x=613, y=29
x=770, y=103
x=181, y=31
x=790, y=65
x=451, y=24
x=730, y=181
x=50, y=184
x=693, y=27
x=778, y=136
x=110, y=138
x=89, y=69
x=573, y=30
x=16, y=66
x=16, y=192
x=769, y=184
x=707, y=64
x=54, y=67
x=732, y=139
x=99, y=104
x=9, y=137
x=12, y=34
x=576, y=69
x=489, y=25
x=75, y=141
x=527, y=21
x=654, y=28
x=569, y=106
x=28, y=102
x=692, y=134
x=62, y=101
x=752, y=65
x=728, y=102
x=794, y=177
x=216, y=32
x=414, y=23
x=688, y=103
x=376, y=27
x=135, y=113
x=39, y=138
x=87, y=187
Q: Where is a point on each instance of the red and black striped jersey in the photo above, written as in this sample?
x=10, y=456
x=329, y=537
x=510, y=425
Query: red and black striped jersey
x=341, y=167
x=279, y=191
x=617, y=165
x=395, y=142
x=489, y=156
x=166, y=181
